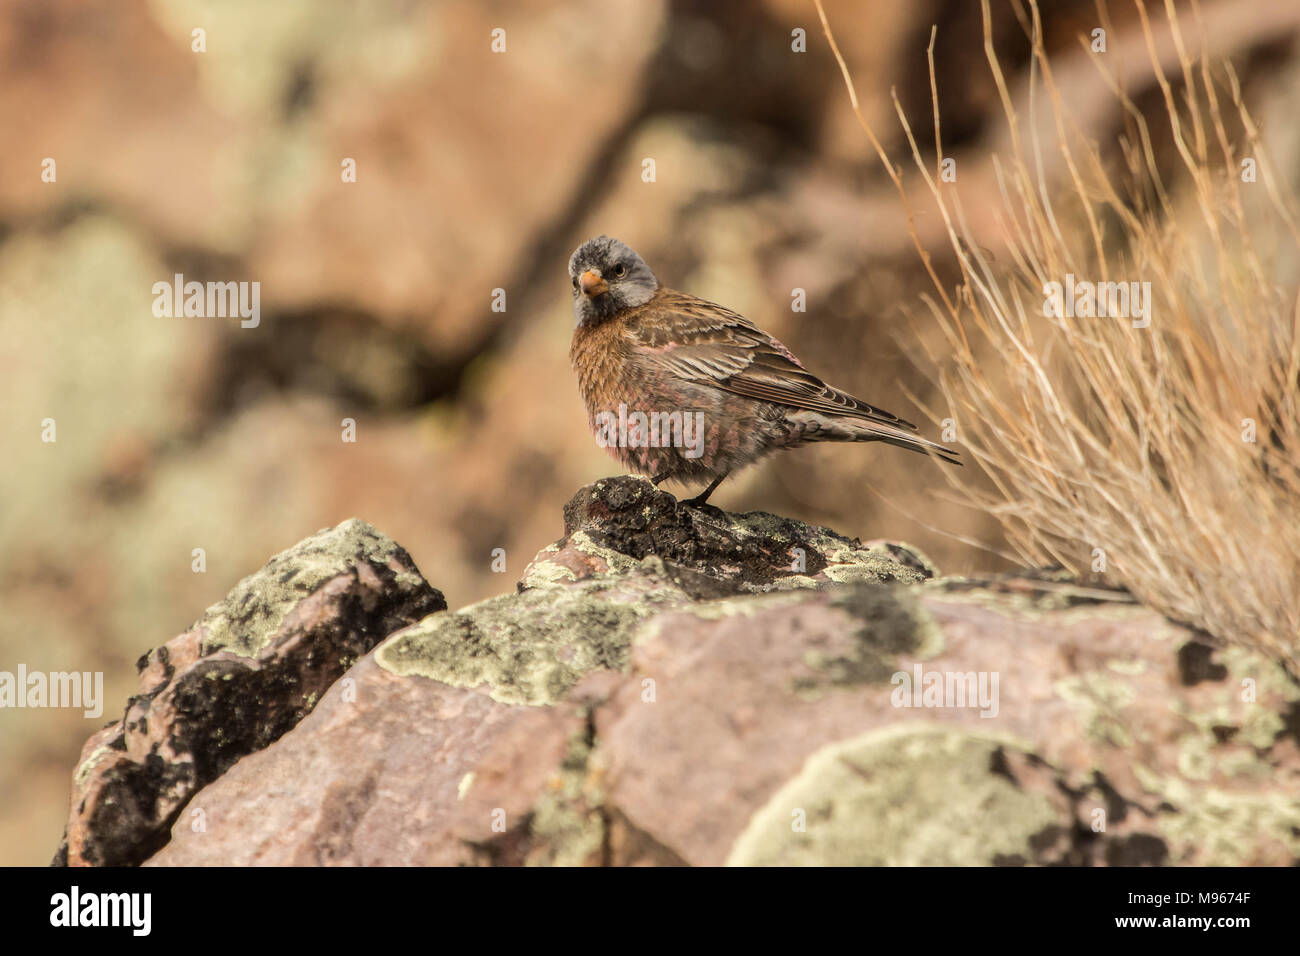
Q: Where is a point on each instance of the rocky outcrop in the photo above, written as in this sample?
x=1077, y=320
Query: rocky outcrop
x=675, y=685
x=248, y=671
x=613, y=524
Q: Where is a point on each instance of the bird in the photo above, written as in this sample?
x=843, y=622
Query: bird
x=677, y=387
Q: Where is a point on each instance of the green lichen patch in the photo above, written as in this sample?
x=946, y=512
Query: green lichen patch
x=747, y=605
x=567, y=823
x=1098, y=699
x=245, y=621
x=1232, y=734
x=902, y=796
x=1228, y=742
x=871, y=568
x=531, y=647
x=1212, y=826
x=1268, y=679
x=466, y=783
x=87, y=766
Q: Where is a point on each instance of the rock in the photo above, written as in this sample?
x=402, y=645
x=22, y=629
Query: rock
x=248, y=671
x=492, y=703
x=665, y=689
x=611, y=524
x=1091, y=725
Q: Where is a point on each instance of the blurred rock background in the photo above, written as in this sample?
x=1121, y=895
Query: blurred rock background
x=475, y=171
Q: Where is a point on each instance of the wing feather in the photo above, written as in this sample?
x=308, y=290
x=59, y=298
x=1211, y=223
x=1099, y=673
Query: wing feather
x=706, y=343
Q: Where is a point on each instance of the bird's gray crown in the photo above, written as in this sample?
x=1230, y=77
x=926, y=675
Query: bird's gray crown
x=628, y=280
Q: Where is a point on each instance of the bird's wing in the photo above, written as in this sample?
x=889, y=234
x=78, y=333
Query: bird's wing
x=705, y=343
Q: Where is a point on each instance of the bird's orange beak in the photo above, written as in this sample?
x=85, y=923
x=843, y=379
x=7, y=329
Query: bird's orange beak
x=591, y=283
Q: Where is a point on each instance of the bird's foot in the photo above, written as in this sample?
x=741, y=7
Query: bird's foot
x=702, y=498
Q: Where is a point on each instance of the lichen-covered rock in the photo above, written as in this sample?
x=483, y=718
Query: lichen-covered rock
x=247, y=671
x=530, y=648
x=612, y=523
x=901, y=794
x=768, y=729
x=664, y=690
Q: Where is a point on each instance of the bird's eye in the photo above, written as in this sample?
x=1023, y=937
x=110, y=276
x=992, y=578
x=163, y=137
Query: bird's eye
x=620, y=270
x=575, y=282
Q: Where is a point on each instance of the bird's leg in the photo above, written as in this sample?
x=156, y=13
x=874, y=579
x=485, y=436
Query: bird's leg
x=657, y=479
x=703, y=496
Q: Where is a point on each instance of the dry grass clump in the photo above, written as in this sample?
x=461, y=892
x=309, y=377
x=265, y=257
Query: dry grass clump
x=1164, y=458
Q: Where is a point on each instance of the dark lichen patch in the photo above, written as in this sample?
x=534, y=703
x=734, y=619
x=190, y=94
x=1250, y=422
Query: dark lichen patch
x=343, y=806
x=223, y=710
x=741, y=553
x=1042, y=589
x=1117, y=808
x=1196, y=664
x=1290, y=723
x=891, y=623
x=1054, y=845
x=119, y=838
x=890, y=620
x=1137, y=849
x=909, y=557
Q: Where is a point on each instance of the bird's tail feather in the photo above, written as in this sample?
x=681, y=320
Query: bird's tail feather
x=916, y=443
x=850, y=429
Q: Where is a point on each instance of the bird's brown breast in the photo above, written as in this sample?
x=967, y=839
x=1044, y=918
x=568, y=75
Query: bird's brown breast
x=599, y=354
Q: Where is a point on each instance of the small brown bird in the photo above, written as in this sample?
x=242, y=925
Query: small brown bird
x=677, y=387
